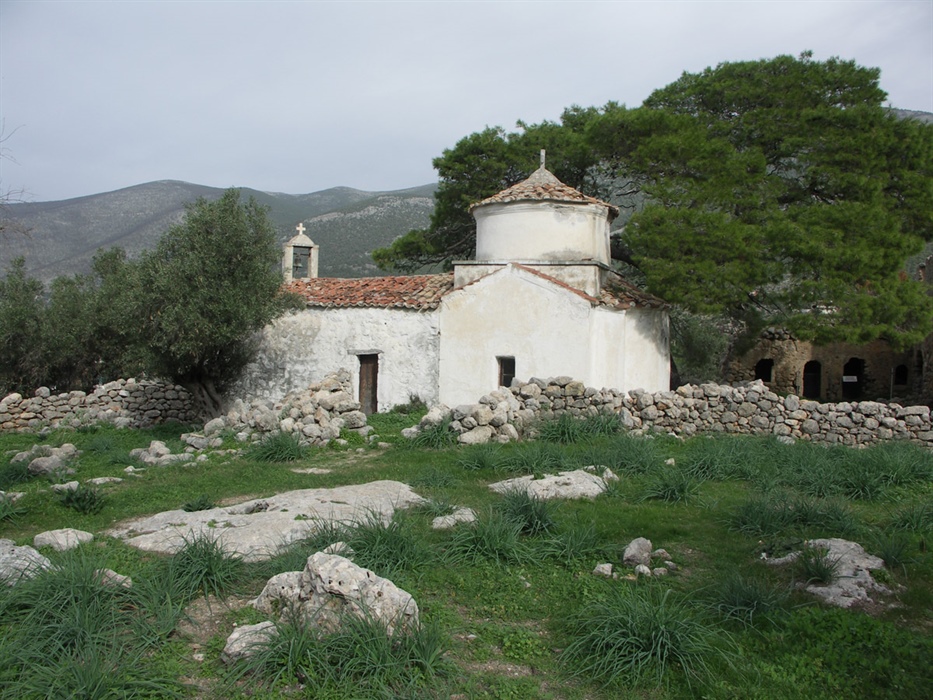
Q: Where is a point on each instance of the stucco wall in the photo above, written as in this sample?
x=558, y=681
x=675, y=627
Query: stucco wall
x=304, y=346
x=549, y=331
x=542, y=231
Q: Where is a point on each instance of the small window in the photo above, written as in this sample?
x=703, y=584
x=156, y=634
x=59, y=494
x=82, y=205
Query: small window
x=900, y=375
x=764, y=370
x=506, y=370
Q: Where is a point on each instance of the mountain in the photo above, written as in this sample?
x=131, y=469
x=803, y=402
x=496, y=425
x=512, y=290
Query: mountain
x=348, y=224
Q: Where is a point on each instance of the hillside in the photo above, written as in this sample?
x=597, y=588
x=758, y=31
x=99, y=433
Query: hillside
x=347, y=223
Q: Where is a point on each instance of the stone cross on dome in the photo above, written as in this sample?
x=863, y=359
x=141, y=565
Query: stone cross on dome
x=300, y=228
x=542, y=157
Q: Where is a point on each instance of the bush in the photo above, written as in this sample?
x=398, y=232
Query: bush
x=638, y=636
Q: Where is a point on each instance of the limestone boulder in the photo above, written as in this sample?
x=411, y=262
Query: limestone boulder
x=244, y=641
x=17, y=563
x=637, y=552
x=62, y=540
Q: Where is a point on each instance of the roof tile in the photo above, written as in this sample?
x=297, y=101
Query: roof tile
x=417, y=292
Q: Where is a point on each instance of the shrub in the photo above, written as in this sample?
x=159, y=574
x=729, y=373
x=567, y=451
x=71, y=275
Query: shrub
x=84, y=499
x=278, y=447
x=637, y=636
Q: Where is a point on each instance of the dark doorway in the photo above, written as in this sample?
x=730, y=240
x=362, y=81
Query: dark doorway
x=853, y=378
x=506, y=370
x=812, y=379
x=900, y=375
x=764, y=370
x=369, y=375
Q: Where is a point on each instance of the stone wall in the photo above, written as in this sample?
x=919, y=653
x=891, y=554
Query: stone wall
x=126, y=403
x=750, y=408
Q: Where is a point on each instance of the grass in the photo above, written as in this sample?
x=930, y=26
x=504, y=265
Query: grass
x=815, y=565
x=277, y=448
x=84, y=499
x=513, y=591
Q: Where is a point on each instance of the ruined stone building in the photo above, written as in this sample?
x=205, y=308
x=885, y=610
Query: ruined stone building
x=539, y=299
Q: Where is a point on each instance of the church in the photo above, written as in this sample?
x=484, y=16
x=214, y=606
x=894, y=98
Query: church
x=540, y=299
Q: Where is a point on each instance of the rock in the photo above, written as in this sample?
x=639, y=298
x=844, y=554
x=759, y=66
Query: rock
x=244, y=641
x=67, y=486
x=20, y=562
x=62, y=540
x=109, y=577
x=638, y=551
x=603, y=570
x=44, y=466
x=461, y=515
x=258, y=534
x=660, y=571
x=214, y=426
x=333, y=586
x=104, y=480
x=281, y=595
x=573, y=484
x=479, y=435
x=642, y=570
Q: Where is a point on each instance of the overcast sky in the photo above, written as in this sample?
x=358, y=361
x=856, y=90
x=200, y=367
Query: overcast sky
x=297, y=97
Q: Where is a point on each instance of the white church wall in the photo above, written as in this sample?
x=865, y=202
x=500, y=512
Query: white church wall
x=302, y=347
x=542, y=231
x=511, y=313
x=630, y=350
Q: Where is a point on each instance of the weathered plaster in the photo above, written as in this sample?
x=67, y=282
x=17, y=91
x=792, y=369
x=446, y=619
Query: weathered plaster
x=304, y=346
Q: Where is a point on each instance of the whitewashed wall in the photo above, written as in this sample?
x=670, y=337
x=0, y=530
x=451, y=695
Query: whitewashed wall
x=305, y=346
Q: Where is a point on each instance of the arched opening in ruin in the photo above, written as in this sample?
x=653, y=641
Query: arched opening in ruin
x=764, y=370
x=812, y=379
x=853, y=378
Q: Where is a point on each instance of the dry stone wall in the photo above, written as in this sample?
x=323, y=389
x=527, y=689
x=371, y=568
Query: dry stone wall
x=127, y=403
x=751, y=408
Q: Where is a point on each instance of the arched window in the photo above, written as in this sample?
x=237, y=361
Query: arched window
x=764, y=370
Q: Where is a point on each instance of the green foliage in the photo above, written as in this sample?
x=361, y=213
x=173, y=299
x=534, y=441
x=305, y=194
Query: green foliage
x=436, y=436
x=493, y=537
x=568, y=429
x=9, y=508
x=359, y=660
x=488, y=455
x=747, y=600
x=816, y=566
x=209, y=285
x=387, y=547
x=12, y=474
x=202, y=502
x=671, y=485
x=639, y=636
x=202, y=566
x=913, y=517
x=22, y=365
x=535, y=515
x=278, y=448
x=84, y=499
x=760, y=192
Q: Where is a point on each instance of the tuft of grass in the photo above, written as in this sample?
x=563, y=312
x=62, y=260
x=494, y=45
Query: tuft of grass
x=914, y=517
x=10, y=509
x=894, y=549
x=535, y=458
x=13, y=474
x=202, y=502
x=484, y=456
x=360, y=659
x=435, y=478
x=84, y=499
x=627, y=454
x=492, y=537
x=568, y=429
x=638, y=637
x=815, y=566
x=747, y=600
x=435, y=437
x=387, y=547
x=203, y=566
x=670, y=485
x=574, y=542
x=534, y=515
x=278, y=447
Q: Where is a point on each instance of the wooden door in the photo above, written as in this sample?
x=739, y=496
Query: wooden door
x=369, y=375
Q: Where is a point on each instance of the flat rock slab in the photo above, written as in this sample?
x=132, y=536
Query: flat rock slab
x=575, y=484
x=62, y=540
x=257, y=529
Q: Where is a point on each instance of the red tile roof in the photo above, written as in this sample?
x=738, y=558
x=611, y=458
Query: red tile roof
x=541, y=186
x=418, y=292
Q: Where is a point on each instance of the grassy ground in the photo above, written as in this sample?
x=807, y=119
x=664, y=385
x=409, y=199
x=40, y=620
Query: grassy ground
x=510, y=607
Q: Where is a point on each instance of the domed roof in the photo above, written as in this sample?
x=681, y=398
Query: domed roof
x=544, y=186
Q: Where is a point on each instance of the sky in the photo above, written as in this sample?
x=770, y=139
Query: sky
x=298, y=97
